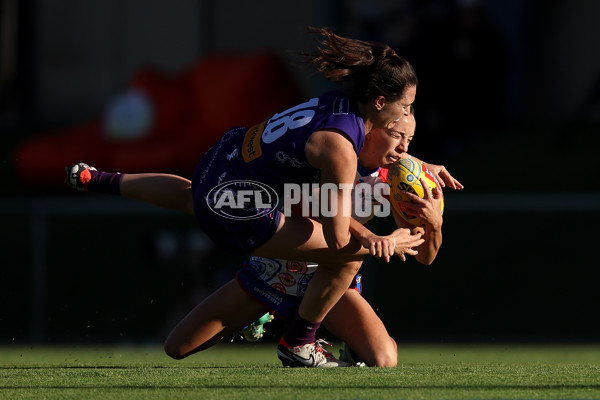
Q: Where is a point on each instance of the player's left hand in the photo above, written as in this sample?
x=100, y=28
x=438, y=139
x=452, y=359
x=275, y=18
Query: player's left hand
x=443, y=176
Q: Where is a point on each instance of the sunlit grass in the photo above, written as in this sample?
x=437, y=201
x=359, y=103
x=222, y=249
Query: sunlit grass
x=253, y=371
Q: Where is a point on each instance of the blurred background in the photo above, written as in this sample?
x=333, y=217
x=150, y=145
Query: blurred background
x=508, y=101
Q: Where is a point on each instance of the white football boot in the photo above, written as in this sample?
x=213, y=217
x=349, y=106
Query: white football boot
x=311, y=355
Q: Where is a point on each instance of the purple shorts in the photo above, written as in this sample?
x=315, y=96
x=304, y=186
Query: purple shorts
x=237, y=236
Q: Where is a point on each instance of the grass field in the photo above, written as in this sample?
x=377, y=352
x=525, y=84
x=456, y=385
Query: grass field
x=252, y=371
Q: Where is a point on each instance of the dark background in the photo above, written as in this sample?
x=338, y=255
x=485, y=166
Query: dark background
x=509, y=101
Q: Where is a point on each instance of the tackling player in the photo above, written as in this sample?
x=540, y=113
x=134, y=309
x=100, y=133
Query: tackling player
x=319, y=138
x=278, y=285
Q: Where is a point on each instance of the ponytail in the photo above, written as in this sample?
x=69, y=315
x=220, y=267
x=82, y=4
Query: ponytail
x=371, y=69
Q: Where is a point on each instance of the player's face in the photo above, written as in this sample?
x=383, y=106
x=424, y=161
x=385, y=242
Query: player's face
x=385, y=146
x=389, y=113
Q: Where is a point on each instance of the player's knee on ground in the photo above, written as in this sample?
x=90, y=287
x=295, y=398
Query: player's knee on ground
x=173, y=350
x=386, y=359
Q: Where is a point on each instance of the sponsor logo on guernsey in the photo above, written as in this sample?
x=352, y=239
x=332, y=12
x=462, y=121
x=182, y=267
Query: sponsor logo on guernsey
x=251, y=149
x=242, y=199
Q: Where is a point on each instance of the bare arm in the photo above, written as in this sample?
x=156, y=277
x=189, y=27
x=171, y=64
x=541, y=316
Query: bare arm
x=373, y=244
x=428, y=209
x=380, y=246
x=333, y=154
x=400, y=242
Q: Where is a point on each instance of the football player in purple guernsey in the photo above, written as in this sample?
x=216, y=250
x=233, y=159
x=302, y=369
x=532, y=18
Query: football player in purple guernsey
x=237, y=184
x=276, y=286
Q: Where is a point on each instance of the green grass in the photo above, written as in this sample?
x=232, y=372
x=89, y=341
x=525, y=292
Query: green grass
x=253, y=372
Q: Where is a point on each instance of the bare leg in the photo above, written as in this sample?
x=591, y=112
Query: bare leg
x=221, y=314
x=354, y=321
x=162, y=190
x=302, y=239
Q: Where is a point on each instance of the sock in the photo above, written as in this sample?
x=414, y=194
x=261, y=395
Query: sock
x=301, y=331
x=104, y=182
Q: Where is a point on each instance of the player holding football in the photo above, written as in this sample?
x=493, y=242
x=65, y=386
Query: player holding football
x=278, y=285
x=254, y=290
x=319, y=138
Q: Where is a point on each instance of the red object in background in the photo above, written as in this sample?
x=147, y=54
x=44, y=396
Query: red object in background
x=190, y=112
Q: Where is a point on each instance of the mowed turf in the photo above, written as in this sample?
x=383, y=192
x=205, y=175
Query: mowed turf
x=252, y=371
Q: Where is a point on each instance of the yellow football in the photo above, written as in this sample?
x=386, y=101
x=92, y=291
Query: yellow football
x=404, y=175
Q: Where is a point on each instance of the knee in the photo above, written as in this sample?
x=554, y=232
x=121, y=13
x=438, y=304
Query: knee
x=388, y=357
x=351, y=266
x=386, y=360
x=173, y=350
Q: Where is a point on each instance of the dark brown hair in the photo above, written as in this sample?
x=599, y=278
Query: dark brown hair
x=372, y=69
